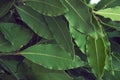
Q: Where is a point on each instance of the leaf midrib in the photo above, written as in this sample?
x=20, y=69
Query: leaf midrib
x=47, y=55
x=97, y=56
x=108, y=13
x=62, y=33
x=36, y=19
x=75, y=11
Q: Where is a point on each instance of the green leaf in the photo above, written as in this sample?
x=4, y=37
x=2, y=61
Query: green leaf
x=116, y=61
x=51, y=56
x=87, y=1
x=37, y=72
x=115, y=47
x=47, y=7
x=112, y=13
x=107, y=4
x=97, y=48
x=109, y=76
x=80, y=39
x=10, y=41
x=115, y=55
x=78, y=16
x=114, y=34
x=115, y=25
x=108, y=64
x=61, y=33
x=112, y=24
x=5, y=6
x=97, y=43
x=11, y=65
x=96, y=55
x=35, y=21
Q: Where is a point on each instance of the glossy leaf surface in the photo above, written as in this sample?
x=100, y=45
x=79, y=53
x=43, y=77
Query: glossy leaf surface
x=112, y=13
x=37, y=72
x=78, y=15
x=97, y=49
x=34, y=20
x=51, y=56
x=47, y=7
x=61, y=33
x=80, y=39
x=10, y=41
x=96, y=55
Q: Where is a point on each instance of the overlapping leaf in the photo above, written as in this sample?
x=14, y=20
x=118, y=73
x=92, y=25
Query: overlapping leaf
x=97, y=49
x=5, y=6
x=78, y=15
x=114, y=34
x=47, y=7
x=51, y=56
x=116, y=61
x=61, y=33
x=80, y=39
x=115, y=55
x=9, y=17
x=96, y=55
x=109, y=76
x=10, y=66
x=112, y=13
x=35, y=21
x=37, y=72
x=9, y=37
x=112, y=24
x=113, y=66
x=88, y=35
x=107, y=4
x=115, y=47
x=80, y=18
x=108, y=64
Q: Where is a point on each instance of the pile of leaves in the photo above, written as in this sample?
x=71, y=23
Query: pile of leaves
x=59, y=40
